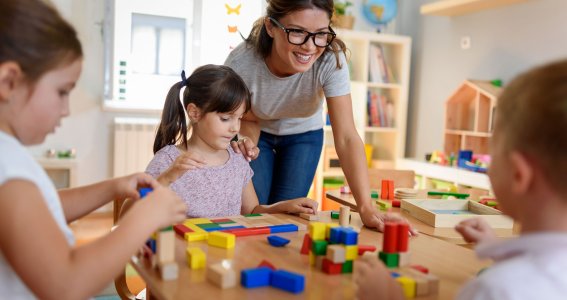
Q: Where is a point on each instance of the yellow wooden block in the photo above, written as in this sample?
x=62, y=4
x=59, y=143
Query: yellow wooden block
x=312, y=258
x=197, y=221
x=196, y=258
x=196, y=236
x=351, y=252
x=408, y=286
x=317, y=231
x=194, y=227
x=328, y=230
x=222, y=239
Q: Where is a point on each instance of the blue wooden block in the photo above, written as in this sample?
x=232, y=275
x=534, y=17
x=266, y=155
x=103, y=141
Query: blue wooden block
x=277, y=241
x=256, y=277
x=151, y=243
x=288, y=281
x=144, y=191
x=395, y=275
x=222, y=228
x=335, y=235
x=349, y=237
x=283, y=228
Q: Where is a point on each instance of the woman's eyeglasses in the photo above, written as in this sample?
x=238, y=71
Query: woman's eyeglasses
x=298, y=37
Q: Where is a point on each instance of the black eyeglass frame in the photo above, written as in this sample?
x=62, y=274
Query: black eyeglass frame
x=309, y=34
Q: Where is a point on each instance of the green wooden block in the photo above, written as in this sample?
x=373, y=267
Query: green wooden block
x=169, y=228
x=253, y=215
x=319, y=247
x=208, y=225
x=374, y=194
x=391, y=260
x=334, y=214
x=347, y=267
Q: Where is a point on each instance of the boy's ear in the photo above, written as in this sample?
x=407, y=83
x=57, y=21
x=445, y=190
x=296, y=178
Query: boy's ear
x=10, y=73
x=523, y=173
x=193, y=112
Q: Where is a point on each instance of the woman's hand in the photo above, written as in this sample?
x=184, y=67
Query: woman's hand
x=185, y=162
x=247, y=147
x=475, y=230
x=372, y=218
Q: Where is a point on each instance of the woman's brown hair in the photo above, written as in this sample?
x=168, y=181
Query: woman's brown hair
x=277, y=9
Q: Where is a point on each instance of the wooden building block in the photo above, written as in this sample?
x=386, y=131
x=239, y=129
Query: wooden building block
x=306, y=246
x=404, y=259
x=336, y=254
x=196, y=258
x=331, y=268
x=317, y=231
x=384, y=190
x=196, y=236
x=288, y=281
x=309, y=217
x=165, y=246
x=390, y=240
x=408, y=286
x=221, y=239
x=197, y=221
x=168, y=271
x=319, y=247
x=344, y=216
x=221, y=275
x=351, y=252
x=365, y=248
x=403, y=237
x=328, y=229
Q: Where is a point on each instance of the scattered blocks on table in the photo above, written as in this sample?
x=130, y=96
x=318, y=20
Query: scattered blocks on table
x=265, y=263
x=196, y=258
x=221, y=275
x=420, y=268
x=277, y=241
x=222, y=239
x=249, y=231
x=288, y=281
x=196, y=236
x=168, y=270
x=306, y=246
x=256, y=277
x=283, y=228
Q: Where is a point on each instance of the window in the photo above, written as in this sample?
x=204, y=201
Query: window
x=149, y=42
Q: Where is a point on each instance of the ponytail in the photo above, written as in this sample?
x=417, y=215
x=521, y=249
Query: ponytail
x=173, y=125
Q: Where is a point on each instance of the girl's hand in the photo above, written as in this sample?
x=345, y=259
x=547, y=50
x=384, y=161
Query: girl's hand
x=247, y=147
x=299, y=205
x=374, y=281
x=127, y=186
x=372, y=218
x=475, y=230
x=163, y=206
x=185, y=162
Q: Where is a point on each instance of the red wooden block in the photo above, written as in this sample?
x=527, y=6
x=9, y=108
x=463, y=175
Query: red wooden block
x=365, y=248
x=420, y=268
x=221, y=220
x=384, y=190
x=249, y=231
x=390, y=242
x=331, y=268
x=403, y=237
x=307, y=242
x=265, y=263
x=391, y=193
x=396, y=203
x=181, y=229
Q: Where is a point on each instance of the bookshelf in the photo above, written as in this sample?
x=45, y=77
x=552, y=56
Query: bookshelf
x=385, y=137
x=62, y=171
x=461, y=7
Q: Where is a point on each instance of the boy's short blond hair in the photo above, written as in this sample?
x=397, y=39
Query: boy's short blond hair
x=531, y=117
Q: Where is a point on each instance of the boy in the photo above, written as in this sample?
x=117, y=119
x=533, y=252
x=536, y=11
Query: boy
x=528, y=173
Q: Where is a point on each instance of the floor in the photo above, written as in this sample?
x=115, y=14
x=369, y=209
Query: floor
x=93, y=226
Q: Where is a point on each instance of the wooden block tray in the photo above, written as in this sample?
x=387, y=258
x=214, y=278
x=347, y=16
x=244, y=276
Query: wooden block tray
x=448, y=213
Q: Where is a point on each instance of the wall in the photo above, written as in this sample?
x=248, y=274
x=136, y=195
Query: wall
x=505, y=41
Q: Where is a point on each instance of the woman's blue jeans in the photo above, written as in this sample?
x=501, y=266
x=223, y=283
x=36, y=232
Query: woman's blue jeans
x=286, y=165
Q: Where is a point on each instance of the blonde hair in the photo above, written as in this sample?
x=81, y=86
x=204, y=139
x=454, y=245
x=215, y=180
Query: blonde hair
x=531, y=117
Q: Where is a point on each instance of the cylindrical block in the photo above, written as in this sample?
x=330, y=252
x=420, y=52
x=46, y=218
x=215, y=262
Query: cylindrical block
x=390, y=242
x=403, y=237
x=344, y=216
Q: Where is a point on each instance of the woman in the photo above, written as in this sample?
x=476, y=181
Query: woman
x=291, y=62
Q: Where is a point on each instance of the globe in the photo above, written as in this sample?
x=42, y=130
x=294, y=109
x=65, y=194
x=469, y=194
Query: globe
x=379, y=12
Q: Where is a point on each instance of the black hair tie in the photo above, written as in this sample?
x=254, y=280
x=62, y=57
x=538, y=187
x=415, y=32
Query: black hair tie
x=184, y=80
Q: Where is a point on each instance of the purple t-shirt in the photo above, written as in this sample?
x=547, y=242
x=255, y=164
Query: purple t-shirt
x=208, y=192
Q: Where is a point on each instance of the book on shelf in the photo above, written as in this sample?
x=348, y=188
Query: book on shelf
x=381, y=110
x=379, y=70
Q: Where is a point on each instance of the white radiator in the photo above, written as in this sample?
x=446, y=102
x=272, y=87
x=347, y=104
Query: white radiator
x=133, y=144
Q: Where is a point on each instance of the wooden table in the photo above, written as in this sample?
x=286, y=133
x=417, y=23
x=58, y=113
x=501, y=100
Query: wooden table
x=454, y=265
x=446, y=234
